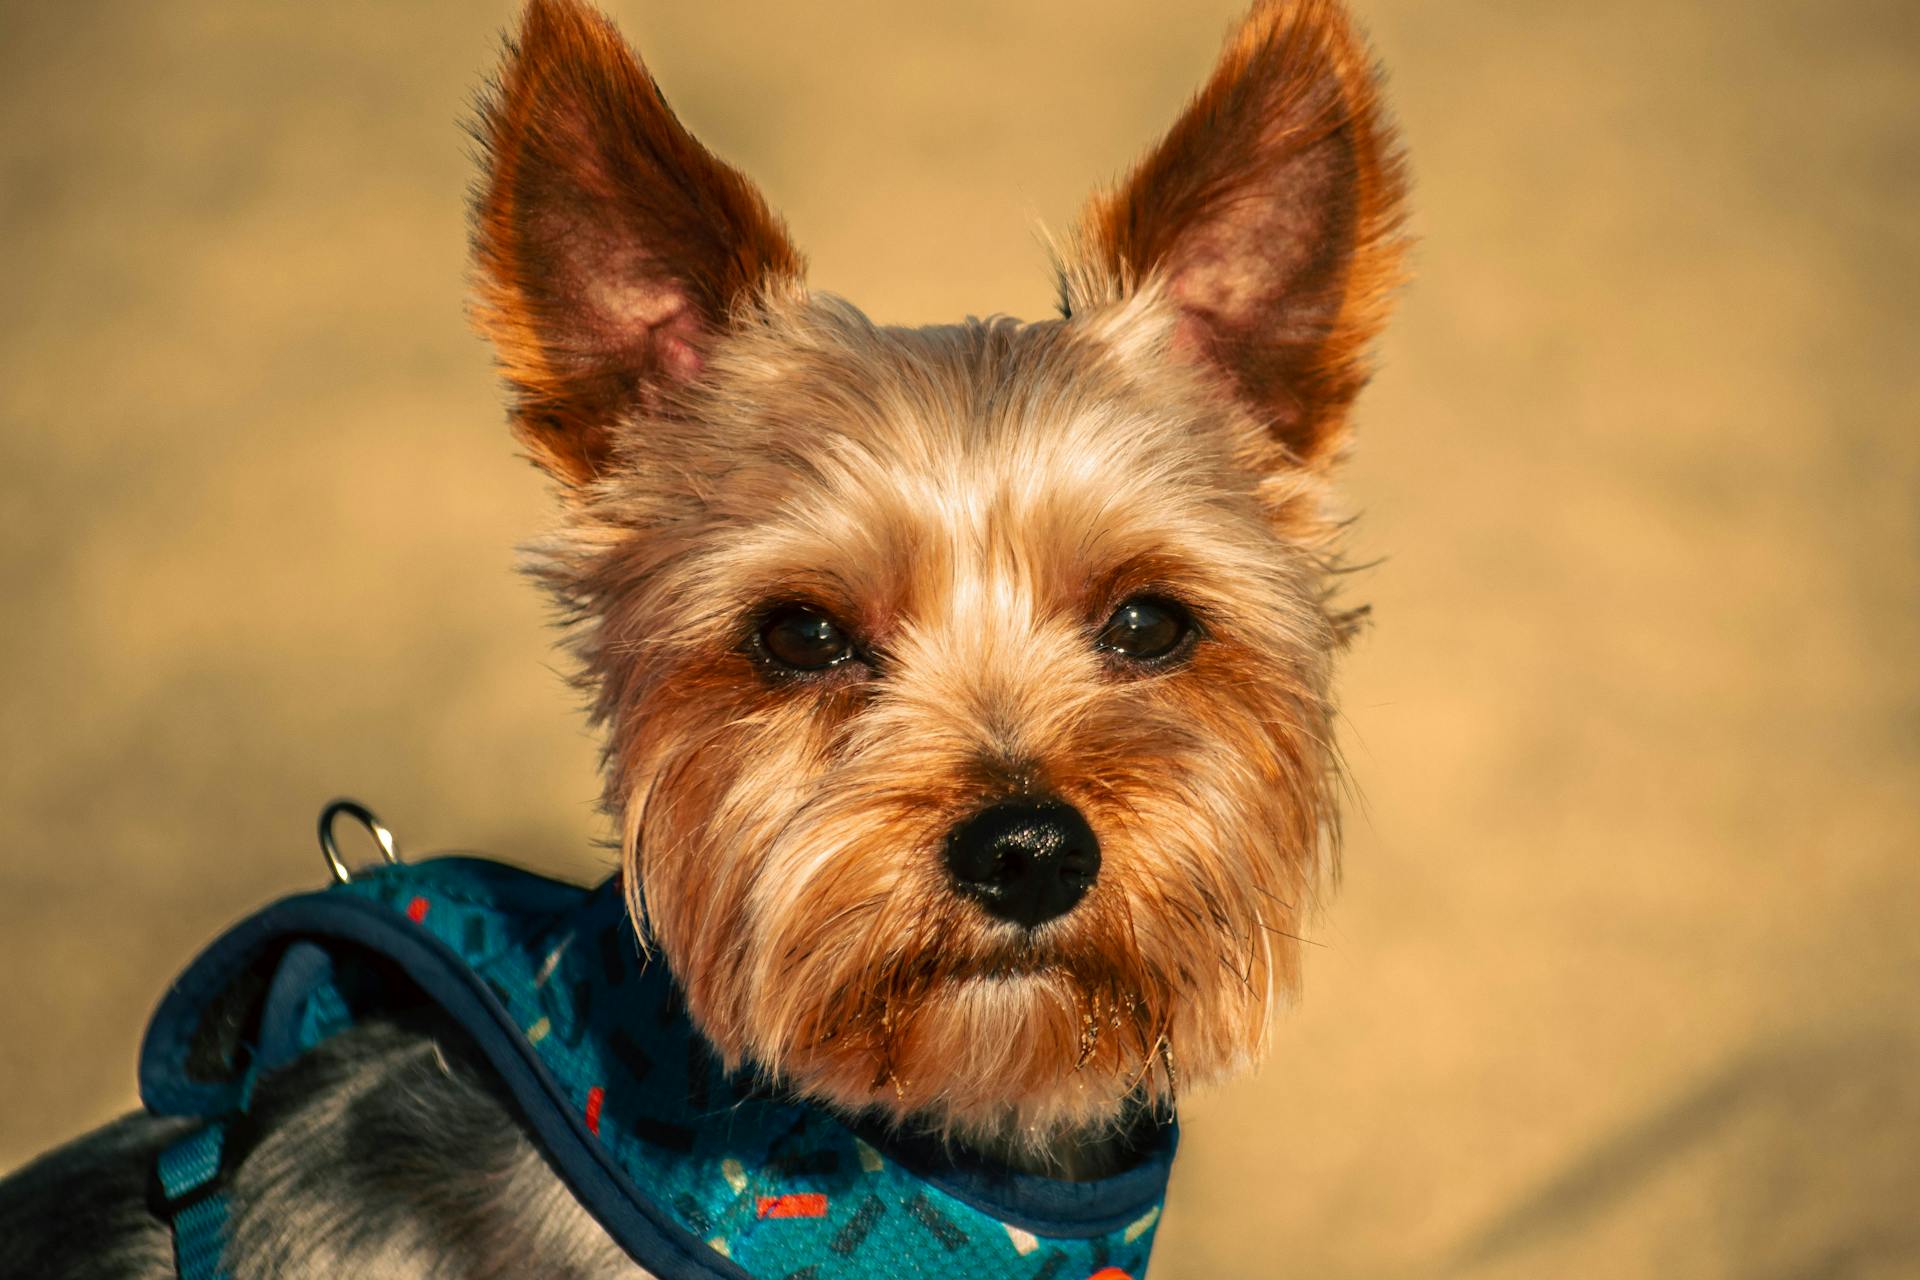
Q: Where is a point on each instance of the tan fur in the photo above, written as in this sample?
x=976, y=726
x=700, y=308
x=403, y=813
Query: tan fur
x=971, y=502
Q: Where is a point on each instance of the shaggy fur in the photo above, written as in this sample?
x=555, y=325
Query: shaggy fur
x=982, y=500
x=969, y=504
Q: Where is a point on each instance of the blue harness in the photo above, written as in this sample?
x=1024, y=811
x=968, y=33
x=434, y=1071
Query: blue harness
x=698, y=1174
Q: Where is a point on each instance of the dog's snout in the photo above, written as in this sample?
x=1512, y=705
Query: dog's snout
x=1026, y=861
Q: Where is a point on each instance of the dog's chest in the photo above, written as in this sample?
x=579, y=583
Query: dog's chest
x=460, y=1057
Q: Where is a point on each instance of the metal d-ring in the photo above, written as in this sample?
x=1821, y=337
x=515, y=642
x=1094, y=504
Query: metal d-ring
x=365, y=817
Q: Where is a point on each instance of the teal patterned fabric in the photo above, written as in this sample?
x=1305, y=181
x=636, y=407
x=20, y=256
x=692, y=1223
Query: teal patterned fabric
x=780, y=1189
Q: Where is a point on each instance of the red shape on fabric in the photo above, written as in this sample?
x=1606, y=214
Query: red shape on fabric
x=417, y=910
x=809, y=1204
x=1109, y=1273
x=595, y=1097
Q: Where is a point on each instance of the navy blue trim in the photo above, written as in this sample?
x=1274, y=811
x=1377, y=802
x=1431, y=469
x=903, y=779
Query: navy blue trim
x=653, y=1240
x=1057, y=1208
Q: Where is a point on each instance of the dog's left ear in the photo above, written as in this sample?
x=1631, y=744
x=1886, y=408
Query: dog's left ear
x=612, y=249
x=1269, y=216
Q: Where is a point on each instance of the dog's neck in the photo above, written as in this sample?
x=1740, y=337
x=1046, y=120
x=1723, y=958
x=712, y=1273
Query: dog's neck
x=1074, y=1155
x=1078, y=1159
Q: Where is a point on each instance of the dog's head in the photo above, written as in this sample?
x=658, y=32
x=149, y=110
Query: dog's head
x=966, y=687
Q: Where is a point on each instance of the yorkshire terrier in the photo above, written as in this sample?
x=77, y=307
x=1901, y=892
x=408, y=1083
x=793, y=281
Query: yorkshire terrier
x=966, y=689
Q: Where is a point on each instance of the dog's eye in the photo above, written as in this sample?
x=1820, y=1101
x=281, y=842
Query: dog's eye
x=804, y=639
x=1146, y=629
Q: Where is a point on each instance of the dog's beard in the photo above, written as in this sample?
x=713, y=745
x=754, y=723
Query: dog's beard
x=799, y=894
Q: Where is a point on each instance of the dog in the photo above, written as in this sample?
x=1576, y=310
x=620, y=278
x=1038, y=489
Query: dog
x=965, y=691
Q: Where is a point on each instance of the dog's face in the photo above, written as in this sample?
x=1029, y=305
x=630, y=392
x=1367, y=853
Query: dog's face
x=966, y=687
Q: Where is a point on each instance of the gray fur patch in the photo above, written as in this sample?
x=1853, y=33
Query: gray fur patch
x=381, y=1153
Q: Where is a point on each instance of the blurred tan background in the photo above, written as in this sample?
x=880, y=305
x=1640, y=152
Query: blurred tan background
x=1625, y=979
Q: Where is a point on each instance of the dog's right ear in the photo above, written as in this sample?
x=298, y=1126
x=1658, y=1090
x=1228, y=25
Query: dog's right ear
x=1270, y=217
x=611, y=247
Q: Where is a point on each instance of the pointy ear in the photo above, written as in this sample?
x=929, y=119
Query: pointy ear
x=1269, y=217
x=611, y=248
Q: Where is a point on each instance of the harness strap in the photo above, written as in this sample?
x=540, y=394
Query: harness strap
x=697, y=1173
x=194, y=1201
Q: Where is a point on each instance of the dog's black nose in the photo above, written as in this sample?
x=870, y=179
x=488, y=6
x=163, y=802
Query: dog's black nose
x=1023, y=860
